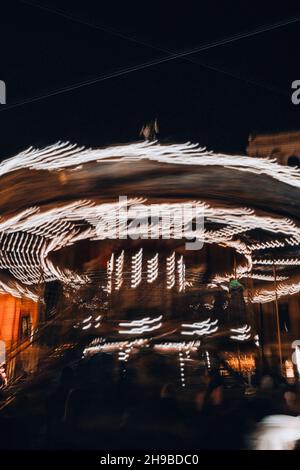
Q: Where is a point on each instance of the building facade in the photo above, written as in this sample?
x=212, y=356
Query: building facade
x=285, y=148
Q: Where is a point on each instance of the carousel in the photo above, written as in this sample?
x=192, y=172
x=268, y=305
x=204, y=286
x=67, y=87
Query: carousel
x=148, y=250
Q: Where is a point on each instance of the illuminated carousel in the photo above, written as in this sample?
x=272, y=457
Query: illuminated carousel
x=73, y=251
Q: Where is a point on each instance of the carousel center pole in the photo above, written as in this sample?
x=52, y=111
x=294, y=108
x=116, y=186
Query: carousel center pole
x=277, y=318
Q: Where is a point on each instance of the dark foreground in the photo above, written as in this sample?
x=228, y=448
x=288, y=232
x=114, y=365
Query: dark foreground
x=89, y=406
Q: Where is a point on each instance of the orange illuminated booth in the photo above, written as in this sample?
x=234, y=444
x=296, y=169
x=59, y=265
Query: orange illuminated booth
x=18, y=319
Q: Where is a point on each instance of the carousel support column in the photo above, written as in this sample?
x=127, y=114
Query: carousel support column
x=14, y=338
x=261, y=336
x=253, y=321
x=277, y=318
x=41, y=307
x=250, y=299
x=234, y=266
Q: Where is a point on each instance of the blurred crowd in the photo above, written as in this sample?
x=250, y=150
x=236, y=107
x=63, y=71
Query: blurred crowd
x=93, y=405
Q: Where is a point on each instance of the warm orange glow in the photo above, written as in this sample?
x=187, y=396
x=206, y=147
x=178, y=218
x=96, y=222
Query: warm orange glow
x=243, y=363
x=11, y=310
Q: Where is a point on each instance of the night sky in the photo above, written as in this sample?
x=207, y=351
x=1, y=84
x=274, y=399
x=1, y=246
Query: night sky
x=43, y=51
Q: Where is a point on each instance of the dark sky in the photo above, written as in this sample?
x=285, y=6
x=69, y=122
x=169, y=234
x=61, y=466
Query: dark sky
x=42, y=51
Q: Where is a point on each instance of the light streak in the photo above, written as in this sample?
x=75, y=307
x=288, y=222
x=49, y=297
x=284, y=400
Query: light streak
x=283, y=262
x=242, y=329
x=145, y=325
x=30, y=236
x=206, y=327
x=136, y=268
x=266, y=245
x=176, y=346
x=17, y=290
x=142, y=322
x=152, y=269
x=241, y=337
x=242, y=333
x=171, y=279
x=110, y=268
x=99, y=345
x=182, y=369
x=64, y=154
x=262, y=277
x=208, y=360
x=141, y=330
x=87, y=319
x=181, y=274
x=119, y=271
x=269, y=295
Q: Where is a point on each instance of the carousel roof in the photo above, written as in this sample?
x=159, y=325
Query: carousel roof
x=60, y=196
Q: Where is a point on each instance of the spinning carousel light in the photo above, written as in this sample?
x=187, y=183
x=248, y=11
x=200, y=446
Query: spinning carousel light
x=146, y=325
x=152, y=269
x=110, y=268
x=18, y=291
x=119, y=271
x=292, y=241
x=283, y=262
x=28, y=238
x=242, y=329
x=181, y=274
x=182, y=369
x=267, y=277
x=242, y=337
x=253, y=275
x=206, y=327
x=98, y=344
x=141, y=330
x=171, y=271
x=87, y=319
x=269, y=295
x=177, y=346
x=265, y=245
x=136, y=268
x=64, y=154
x=242, y=333
x=208, y=360
x=124, y=354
